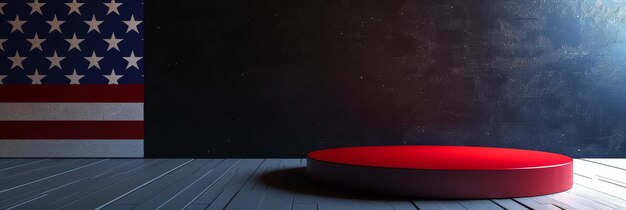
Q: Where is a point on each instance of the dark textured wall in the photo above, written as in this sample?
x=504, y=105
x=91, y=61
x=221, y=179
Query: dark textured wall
x=279, y=78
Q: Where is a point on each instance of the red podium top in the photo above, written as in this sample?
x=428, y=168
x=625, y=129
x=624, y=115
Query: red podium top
x=441, y=157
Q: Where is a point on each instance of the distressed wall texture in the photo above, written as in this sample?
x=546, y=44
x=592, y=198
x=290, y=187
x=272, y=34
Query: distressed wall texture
x=279, y=78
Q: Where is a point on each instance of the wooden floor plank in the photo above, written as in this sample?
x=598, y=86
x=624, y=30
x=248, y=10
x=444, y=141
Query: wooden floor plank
x=402, y=205
x=89, y=185
x=15, y=196
x=181, y=194
x=547, y=200
x=276, y=198
x=509, y=204
x=11, y=163
x=112, y=193
x=4, y=160
x=381, y=205
x=28, y=166
x=327, y=198
x=602, y=186
x=303, y=198
x=195, y=207
x=121, y=207
x=436, y=204
x=598, y=196
x=337, y=203
x=220, y=193
x=395, y=204
x=218, y=196
x=578, y=202
x=149, y=191
x=43, y=173
x=251, y=194
x=364, y=205
x=479, y=204
x=219, y=184
x=613, y=162
x=533, y=204
x=600, y=170
x=209, y=195
x=304, y=206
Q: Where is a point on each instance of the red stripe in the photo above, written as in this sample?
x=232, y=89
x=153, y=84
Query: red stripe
x=71, y=93
x=71, y=129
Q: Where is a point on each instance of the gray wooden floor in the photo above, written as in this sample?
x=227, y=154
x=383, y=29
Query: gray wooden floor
x=273, y=184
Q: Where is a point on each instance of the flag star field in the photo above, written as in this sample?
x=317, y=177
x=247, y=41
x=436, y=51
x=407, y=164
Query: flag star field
x=71, y=42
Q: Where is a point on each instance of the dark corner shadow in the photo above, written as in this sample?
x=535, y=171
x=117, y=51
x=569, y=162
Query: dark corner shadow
x=296, y=180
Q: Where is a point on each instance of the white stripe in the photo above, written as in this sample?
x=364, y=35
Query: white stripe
x=71, y=148
x=70, y=111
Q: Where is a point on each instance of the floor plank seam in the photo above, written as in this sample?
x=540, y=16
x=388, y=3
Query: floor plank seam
x=48, y=177
x=610, y=182
x=46, y=192
x=140, y=186
x=247, y=180
x=111, y=169
x=28, y=201
x=600, y=192
x=591, y=161
x=24, y=164
x=497, y=204
x=239, y=184
x=211, y=185
x=522, y=204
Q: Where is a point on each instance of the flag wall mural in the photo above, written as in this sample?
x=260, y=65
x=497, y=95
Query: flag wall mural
x=71, y=78
x=280, y=78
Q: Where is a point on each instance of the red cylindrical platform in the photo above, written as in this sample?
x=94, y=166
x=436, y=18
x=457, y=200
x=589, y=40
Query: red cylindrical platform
x=449, y=172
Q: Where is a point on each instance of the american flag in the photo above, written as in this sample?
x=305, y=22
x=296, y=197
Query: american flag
x=71, y=78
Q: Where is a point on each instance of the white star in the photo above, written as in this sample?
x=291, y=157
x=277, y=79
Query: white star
x=2, y=44
x=113, y=78
x=36, y=42
x=36, y=7
x=93, y=24
x=55, y=24
x=36, y=78
x=74, y=42
x=93, y=60
x=2, y=5
x=55, y=60
x=17, y=60
x=113, y=42
x=74, y=7
x=132, y=24
x=17, y=24
x=132, y=60
x=113, y=7
x=2, y=78
x=74, y=78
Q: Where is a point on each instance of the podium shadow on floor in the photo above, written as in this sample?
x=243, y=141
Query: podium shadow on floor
x=296, y=180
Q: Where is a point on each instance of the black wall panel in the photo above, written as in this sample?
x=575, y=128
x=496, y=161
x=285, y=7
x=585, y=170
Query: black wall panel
x=279, y=78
